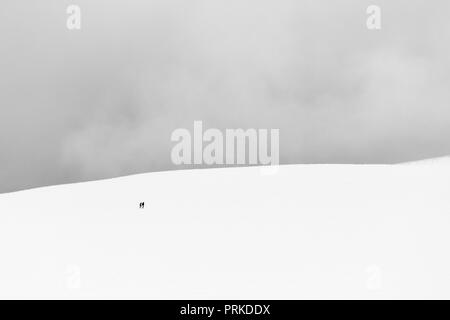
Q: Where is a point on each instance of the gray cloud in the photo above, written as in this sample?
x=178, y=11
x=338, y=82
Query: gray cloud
x=103, y=101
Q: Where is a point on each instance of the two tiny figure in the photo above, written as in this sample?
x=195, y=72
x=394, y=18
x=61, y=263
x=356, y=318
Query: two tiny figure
x=141, y=205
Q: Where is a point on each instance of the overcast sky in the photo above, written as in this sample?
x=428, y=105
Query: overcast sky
x=103, y=101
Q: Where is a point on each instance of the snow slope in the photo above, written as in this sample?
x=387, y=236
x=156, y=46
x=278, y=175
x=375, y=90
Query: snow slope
x=304, y=231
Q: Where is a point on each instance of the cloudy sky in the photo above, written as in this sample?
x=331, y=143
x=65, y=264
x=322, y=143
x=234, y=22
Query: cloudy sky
x=103, y=101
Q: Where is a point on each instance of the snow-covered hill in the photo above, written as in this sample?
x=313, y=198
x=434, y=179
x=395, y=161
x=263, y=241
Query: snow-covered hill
x=433, y=161
x=305, y=231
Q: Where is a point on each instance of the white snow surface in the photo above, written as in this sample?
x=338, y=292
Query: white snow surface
x=300, y=232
